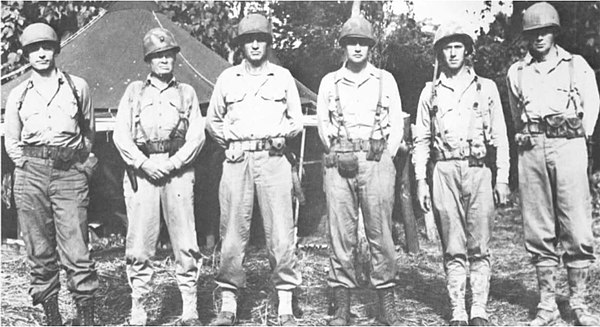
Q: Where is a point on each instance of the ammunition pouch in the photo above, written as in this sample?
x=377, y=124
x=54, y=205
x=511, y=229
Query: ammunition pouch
x=559, y=126
x=376, y=148
x=170, y=146
x=491, y=154
x=347, y=164
x=524, y=141
x=276, y=147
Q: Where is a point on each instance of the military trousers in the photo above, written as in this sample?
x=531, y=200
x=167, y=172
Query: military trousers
x=270, y=179
x=175, y=198
x=52, y=209
x=555, y=201
x=463, y=200
x=373, y=190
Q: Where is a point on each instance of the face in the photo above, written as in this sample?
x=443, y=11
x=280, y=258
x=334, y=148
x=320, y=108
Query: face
x=41, y=55
x=162, y=63
x=454, y=55
x=540, y=40
x=357, y=50
x=255, y=48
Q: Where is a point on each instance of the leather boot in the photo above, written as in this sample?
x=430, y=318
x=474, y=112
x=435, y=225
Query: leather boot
x=577, y=287
x=480, y=288
x=342, y=307
x=456, y=282
x=139, y=316
x=85, y=313
x=189, y=313
x=387, y=305
x=51, y=311
x=547, y=310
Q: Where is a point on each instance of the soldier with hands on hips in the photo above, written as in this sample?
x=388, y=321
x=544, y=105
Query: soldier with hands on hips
x=49, y=135
x=159, y=131
x=254, y=109
x=554, y=102
x=460, y=127
x=361, y=127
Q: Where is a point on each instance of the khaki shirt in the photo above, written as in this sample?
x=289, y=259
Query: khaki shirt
x=158, y=116
x=359, y=95
x=455, y=101
x=248, y=107
x=546, y=91
x=47, y=120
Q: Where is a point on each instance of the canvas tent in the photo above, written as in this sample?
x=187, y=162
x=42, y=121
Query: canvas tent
x=108, y=54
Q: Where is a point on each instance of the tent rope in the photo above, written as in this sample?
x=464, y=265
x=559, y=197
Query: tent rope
x=185, y=59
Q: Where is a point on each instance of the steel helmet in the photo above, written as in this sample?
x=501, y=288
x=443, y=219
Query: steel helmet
x=39, y=32
x=452, y=30
x=540, y=15
x=357, y=27
x=254, y=24
x=157, y=40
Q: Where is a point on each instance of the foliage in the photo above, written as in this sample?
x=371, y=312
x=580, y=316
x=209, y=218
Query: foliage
x=66, y=17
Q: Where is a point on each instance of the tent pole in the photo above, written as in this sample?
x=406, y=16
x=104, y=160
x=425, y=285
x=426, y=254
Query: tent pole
x=300, y=170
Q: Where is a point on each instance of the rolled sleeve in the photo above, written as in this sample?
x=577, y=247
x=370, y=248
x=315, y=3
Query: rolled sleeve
x=13, y=127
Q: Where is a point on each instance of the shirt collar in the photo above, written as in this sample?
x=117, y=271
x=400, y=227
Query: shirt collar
x=59, y=76
x=468, y=76
x=150, y=79
x=269, y=70
x=345, y=73
x=562, y=54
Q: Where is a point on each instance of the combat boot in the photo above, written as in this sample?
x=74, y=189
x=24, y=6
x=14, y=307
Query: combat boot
x=139, y=316
x=189, y=313
x=480, y=288
x=387, y=305
x=51, y=311
x=547, y=310
x=456, y=282
x=577, y=287
x=342, y=307
x=85, y=313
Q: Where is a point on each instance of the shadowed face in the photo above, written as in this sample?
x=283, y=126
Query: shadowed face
x=162, y=63
x=255, y=48
x=540, y=40
x=41, y=55
x=454, y=54
x=357, y=50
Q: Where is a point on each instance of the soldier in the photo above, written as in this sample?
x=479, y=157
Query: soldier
x=361, y=127
x=460, y=127
x=49, y=135
x=254, y=108
x=555, y=104
x=159, y=131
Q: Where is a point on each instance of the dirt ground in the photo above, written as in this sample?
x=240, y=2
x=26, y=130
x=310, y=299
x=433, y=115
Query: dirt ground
x=420, y=294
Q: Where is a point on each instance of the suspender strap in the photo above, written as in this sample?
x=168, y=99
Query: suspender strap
x=22, y=98
x=339, y=111
x=182, y=115
x=377, y=122
x=136, y=115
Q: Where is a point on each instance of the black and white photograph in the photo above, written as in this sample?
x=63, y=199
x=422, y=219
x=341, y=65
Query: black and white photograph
x=285, y=163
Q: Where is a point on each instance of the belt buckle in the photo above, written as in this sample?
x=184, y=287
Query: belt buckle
x=161, y=146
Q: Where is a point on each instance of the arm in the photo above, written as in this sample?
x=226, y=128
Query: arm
x=87, y=109
x=513, y=98
x=194, y=137
x=396, y=116
x=588, y=90
x=499, y=134
x=217, y=109
x=325, y=127
x=422, y=134
x=122, y=136
x=294, y=108
x=13, y=127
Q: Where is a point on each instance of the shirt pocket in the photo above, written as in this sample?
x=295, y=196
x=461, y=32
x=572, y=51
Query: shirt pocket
x=274, y=99
x=64, y=116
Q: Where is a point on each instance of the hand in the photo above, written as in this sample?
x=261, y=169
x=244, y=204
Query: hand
x=153, y=170
x=501, y=193
x=423, y=195
x=167, y=167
